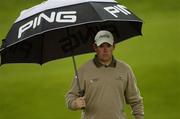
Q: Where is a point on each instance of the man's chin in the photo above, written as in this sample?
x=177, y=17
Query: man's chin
x=106, y=59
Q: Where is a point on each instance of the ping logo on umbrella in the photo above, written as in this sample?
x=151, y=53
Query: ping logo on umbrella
x=117, y=9
x=59, y=17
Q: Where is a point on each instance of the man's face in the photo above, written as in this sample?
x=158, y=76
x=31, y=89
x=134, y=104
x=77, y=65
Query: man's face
x=104, y=52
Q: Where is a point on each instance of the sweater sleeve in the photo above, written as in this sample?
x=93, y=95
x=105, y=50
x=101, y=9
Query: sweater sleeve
x=73, y=93
x=133, y=97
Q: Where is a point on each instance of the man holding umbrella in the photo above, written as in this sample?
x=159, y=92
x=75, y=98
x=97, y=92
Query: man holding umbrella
x=57, y=29
x=107, y=84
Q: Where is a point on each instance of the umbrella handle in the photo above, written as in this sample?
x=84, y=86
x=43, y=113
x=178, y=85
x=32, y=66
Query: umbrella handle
x=81, y=93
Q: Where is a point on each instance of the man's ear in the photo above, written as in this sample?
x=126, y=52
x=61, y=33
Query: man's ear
x=94, y=47
x=113, y=46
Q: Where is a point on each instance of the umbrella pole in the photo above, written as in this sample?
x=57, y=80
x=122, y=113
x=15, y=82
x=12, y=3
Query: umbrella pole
x=81, y=92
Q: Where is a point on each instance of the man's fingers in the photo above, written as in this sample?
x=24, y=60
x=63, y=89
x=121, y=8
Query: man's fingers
x=82, y=98
x=80, y=102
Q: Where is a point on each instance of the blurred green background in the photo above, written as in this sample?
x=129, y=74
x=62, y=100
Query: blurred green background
x=31, y=91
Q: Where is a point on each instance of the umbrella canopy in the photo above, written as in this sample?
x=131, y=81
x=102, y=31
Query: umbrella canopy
x=60, y=28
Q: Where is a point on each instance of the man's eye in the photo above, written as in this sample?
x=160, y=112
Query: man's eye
x=108, y=45
x=101, y=46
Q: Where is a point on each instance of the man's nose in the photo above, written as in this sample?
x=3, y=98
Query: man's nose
x=105, y=48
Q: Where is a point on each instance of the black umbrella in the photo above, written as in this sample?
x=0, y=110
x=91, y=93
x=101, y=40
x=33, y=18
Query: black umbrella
x=60, y=28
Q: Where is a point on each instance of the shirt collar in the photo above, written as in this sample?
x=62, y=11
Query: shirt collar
x=99, y=64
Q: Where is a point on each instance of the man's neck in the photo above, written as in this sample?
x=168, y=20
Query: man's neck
x=106, y=63
x=111, y=63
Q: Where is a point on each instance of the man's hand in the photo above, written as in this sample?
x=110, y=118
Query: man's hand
x=79, y=103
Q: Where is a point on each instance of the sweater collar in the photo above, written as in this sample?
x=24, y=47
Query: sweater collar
x=99, y=64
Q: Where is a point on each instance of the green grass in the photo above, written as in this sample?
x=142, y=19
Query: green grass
x=30, y=91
